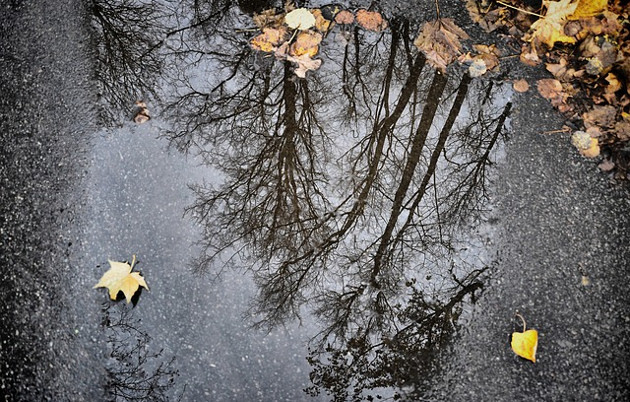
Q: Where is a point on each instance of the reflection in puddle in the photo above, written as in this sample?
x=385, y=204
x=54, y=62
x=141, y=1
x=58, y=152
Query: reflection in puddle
x=134, y=372
x=345, y=192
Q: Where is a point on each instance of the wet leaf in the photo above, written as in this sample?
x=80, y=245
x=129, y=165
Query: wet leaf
x=371, y=20
x=344, y=17
x=269, y=39
x=306, y=43
x=119, y=278
x=550, y=29
x=268, y=18
x=440, y=42
x=141, y=113
x=520, y=86
x=321, y=23
x=525, y=344
x=300, y=18
x=304, y=64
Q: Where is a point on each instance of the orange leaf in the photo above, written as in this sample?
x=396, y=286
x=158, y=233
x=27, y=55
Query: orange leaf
x=371, y=20
x=306, y=42
x=525, y=344
x=344, y=17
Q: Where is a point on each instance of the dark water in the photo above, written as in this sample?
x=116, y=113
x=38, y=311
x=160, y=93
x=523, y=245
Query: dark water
x=325, y=237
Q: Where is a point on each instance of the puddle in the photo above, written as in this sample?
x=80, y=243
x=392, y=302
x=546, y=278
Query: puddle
x=354, y=201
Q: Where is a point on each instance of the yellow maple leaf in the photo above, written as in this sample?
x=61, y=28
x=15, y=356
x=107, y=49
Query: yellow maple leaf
x=588, y=8
x=119, y=278
x=550, y=28
x=525, y=343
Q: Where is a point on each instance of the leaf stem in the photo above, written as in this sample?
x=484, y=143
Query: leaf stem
x=519, y=9
x=522, y=319
x=133, y=262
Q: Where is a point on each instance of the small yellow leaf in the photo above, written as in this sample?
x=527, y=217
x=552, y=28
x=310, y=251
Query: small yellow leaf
x=120, y=278
x=525, y=344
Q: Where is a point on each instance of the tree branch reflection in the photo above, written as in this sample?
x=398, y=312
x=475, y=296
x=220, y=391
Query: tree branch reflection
x=345, y=191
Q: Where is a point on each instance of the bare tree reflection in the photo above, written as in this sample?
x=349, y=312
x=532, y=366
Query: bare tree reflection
x=135, y=373
x=124, y=33
x=344, y=191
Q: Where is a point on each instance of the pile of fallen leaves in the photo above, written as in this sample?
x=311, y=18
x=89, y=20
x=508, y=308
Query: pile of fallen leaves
x=585, y=45
x=295, y=34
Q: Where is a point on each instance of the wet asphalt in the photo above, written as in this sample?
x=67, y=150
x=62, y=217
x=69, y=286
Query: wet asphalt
x=74, y=194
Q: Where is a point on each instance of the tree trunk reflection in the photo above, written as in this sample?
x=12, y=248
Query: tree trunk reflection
x=344, y=192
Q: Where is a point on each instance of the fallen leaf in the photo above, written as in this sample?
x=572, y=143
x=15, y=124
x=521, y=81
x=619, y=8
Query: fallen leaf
x=268, y=18
x=606, y=165
x=269, y=39
x=557, y=69
x=371, y=20
x=119, y=278
x=585, y=280
x=304, y=64
x=300, y=18
x=321, y=23
x=520, y=86
x=587, y=145
x=550, y=28
x=601, y=116
x=344, y=17
x=529, y=56
x=525, y=344
x=588, y=8
x=439, y=41
x=477, y=68
x=141, y=113
x=306, y=43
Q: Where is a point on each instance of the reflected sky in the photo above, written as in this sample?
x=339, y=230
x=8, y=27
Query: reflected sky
x=355, y=198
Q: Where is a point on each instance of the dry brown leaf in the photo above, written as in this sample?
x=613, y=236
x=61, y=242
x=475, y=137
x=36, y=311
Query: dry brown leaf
x=600, y=116
x=439, y=41
x=520, y=85
x=622, y=130
x=344, y=17
x=306, y=43
x=371, y=20
x=556, y=92
x=529, y=56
